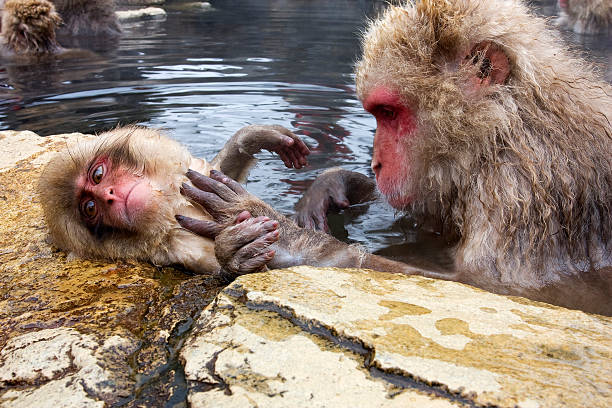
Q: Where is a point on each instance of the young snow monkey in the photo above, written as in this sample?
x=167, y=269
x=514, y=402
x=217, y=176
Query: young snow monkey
x=488, y=128
x=28, y=28
x=116, y=196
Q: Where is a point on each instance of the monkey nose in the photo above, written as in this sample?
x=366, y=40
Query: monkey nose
x=109, y=195
x=376, y=166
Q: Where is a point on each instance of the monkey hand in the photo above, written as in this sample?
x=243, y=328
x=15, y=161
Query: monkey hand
x=334, y=189
x=244, y=246
x=241, y=241
x=275, y=138
x=224, y=198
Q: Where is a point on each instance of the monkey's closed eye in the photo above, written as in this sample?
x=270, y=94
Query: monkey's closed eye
x=387, y=112
x=89, y=209
x=97, y=174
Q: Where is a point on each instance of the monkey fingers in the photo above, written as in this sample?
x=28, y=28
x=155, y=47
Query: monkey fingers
x=210, y=201
x=244, y=247
x=204, y=228
x=210, y=185
x=292, y=158
x=227, y=181
x=291, y=149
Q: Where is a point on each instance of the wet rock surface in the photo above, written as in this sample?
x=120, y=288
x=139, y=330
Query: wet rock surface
x=306, y=337
x=79, y=332
x=84, y=333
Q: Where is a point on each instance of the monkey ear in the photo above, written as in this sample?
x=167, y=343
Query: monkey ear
x=492, y=62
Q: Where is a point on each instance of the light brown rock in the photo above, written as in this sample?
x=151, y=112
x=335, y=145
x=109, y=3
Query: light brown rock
x=327, y=337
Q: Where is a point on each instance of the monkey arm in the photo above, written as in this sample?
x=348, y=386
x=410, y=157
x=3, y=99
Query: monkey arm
x=245, y=246
x=335, y=188
x=236, y=158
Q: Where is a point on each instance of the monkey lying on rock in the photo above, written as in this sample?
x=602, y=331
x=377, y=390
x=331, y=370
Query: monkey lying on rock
x=116, y=196
x=488, y=127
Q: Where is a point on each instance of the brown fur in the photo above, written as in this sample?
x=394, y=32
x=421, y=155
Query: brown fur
x=588, y=16
x=158, y=239
x=153, y=158
x=522, y=172
x=28, y=28
x=88, y=17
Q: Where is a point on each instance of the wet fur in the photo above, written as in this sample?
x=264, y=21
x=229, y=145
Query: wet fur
x=28, y=28
x=521, y=173
x=88, y=17
x=588, y=16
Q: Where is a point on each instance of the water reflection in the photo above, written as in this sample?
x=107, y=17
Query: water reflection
x=203, y=74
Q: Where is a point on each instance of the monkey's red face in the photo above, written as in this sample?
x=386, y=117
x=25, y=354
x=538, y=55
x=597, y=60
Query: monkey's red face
x=112, y=196
x=395, y=131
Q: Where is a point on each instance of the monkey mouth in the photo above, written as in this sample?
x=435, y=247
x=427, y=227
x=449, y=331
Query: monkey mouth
x=400, y=202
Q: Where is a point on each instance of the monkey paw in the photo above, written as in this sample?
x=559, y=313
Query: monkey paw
x=278, y=139
x=245, y=247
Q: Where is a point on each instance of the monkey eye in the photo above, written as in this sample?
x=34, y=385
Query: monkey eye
x=387, y=112
x=89, y=209
x=97, y=174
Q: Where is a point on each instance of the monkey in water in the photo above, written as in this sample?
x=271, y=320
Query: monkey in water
x=116, y=196
x=27, y=29
x=586, y=16
x=489, y=128
x=88, y=17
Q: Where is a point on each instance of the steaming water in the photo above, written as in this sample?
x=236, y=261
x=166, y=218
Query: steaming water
x=204, y=74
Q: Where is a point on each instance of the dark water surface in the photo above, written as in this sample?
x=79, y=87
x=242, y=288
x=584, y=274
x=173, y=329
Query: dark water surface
x=204, y=74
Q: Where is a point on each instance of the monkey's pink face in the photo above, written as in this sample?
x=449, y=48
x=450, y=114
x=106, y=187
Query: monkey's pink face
x=112, y=196
x=395, y=129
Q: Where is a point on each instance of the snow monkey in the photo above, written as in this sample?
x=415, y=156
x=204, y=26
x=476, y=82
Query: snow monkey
x=28, y=28
x=116, y=196
x=587, y=16
x=486, y=126
x=88, y=17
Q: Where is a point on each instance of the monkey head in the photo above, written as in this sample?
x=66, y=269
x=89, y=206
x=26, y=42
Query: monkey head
x=586, y=16
x=28, y=27
x=116, y=196
x=430, y=74
x=459, y=87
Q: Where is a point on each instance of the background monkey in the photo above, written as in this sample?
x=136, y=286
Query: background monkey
x=116, y=196
x=28, y=28
x=587, y=16
x=486, y=126
x=88, y=17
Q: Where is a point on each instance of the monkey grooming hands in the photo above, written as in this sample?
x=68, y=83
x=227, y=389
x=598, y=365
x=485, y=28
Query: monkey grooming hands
x=116, y=196
x=249, y=234
x=487, y=126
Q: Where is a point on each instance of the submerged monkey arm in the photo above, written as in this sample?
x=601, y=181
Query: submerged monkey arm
x=335, y=188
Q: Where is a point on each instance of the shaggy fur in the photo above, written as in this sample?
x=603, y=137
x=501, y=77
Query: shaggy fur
x=520, y=172
x=88, y=17
x=587, y=16
x=28, y=28
x=157, y=238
